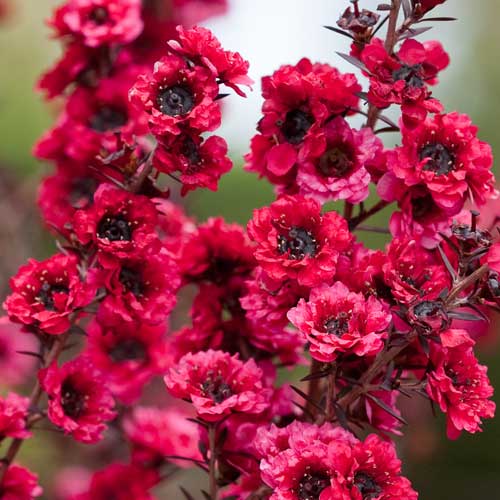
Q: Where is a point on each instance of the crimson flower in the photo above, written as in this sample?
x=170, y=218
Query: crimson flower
x=128, y=355
x=298, y=102
x=13, y=414
x=120, y=223
x=140, y=288
x=218, y=384
x=79, y=400
x=19, y=483
x=294, y=240
x=99, y=22
x=403, y=79
x=177, y=94
x=460, y=385
x=444, y=155
x=201, y=163
x=45, y=293
x=335, y=320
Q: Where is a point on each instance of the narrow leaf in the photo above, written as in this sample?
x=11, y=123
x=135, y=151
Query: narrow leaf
x=307, y=398
x=413, y=32
x=384, y=6
x=407, y=9
x=339, y=31
x=353, y=60
x=387, y=408
x=431, y=19
x=447, y=263
x=186, y=493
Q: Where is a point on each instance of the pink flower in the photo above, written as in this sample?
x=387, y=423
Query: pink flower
x=79, y=400
x=335, y=321
x=294, y=240
x=99, y=22
x=19, y=483
x=412, y=272
x=44, y=294
x=460, y=385
x=121, y=482
x=156, y=434
x=332, y=166
x=444, y=155
x=120, y=223
x=13, y=415
x=14, y=366
x=177, y=95
x=305, y=461
x=298, y=102
x=218, y=384
x=216, y=252
x=402, y=79
x=128, y=355
x=202, y=47
x=201, y=163
x=140, y=288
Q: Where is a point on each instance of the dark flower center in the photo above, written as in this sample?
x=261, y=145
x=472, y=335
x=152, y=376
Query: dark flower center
x=191, y=151
x=174, y=101
x=82, y=192
x=440, y=159
x=412, y=75
x=296, y=125
x=421, y=206
x=366, y=486
x=46, y=294
x=107, y=118
x=73, y=402
x=216, y=388
x=427, y=308
x=336, y=162
x=337, y=325
x=99, y=15
x=311, y=485
x=114, y=228
x=128, y=350
x=298, y=243
x=132, y=281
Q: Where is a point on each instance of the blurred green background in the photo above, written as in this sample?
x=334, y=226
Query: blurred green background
x=440, y=469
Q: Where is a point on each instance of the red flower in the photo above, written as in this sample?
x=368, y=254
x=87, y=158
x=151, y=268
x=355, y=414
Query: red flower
x=200, y=162
x=202, y=47
x=99, y=22
x=121, y=482
x=128, y=356
x=402, y=79
x=92, y=120
x=332, y=165
x=177, y=94
x=13, y=414
x=19, y=483
x=335, y=321
x=412, y=272
x=119, y=223
x=79, y=400
x=419, y=218
x=63, y=193
x=141, y=288
x=295, y=240
x=156, y=434
x=217, y=252
x=218, y=384
x=267, y=301
x=75, y=60
x=460, y=385
x=44, y=294
x=370, y=470
x=299, y=100
x=445, y=156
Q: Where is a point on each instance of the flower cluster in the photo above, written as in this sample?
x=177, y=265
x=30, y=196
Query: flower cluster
x=105, y=317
